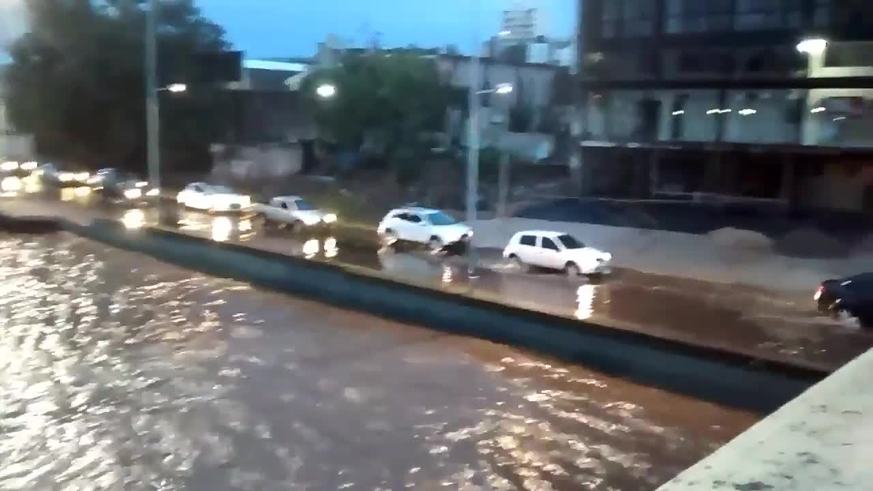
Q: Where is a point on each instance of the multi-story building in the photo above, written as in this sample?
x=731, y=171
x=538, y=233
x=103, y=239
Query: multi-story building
x=522, y=23
x=768, y=100
x=13, y=145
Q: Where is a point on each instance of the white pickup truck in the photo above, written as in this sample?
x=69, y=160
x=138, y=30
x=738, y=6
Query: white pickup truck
x=294, y=212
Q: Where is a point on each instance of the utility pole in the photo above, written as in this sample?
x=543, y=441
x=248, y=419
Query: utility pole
x=473, y=139
x=153, y=123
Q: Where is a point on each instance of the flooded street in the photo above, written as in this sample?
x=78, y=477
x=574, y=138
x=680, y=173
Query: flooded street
x=121, y=372
x=768, y=324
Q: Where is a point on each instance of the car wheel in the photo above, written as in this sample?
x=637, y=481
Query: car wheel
x=517, y=263
x=389, y=238
x=572, y=270
x=435, y=244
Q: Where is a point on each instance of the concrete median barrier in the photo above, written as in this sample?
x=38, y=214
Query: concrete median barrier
x=712, y=374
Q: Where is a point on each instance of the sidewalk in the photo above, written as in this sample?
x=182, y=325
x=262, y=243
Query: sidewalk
x=822, y=440
x=685, y=255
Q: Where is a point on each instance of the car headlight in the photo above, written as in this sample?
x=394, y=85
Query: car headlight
x=133, y=193
x=329, y=218
x=607, y=257
x=29, y=166
x=151, y=193
x=10, y=184
x=9, y=166
x=82, y=176
x=66, y=176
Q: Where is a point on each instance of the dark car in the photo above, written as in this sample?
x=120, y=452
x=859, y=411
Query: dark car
x=120, y=188
x=852, y=296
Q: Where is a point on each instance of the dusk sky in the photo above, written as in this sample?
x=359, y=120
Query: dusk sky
x=276, y=28
x=287, y=28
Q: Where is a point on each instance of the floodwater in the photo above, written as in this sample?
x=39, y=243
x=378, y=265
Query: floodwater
x=121, y=372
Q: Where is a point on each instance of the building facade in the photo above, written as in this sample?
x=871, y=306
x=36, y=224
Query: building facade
x=522, y=23
x=13, y=145
x=767, y=100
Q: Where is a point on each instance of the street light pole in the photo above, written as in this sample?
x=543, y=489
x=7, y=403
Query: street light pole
x=473, y=140
x=153, y=146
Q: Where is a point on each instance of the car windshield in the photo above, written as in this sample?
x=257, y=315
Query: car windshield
x=304, y=205
x=221, y=189
x=570, y=242
x=440, y=218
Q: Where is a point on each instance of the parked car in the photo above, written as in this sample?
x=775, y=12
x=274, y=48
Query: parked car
x=852, y=296
x=557, y=251
x=214, y=199
x=295, y=212
x=435, y=228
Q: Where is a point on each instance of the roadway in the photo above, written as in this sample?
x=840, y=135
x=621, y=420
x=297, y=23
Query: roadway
x=735, y=318
x=119, y=371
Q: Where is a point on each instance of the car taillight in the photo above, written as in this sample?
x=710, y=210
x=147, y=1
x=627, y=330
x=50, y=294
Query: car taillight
x=818, y=293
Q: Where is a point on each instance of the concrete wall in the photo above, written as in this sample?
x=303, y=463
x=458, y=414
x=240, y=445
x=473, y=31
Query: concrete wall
x=702, y=372
x=839, y=187
x=258, y=162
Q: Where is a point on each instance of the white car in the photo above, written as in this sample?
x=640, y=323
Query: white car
x=423, y=225
x=295, y=212
x=216, y=199
x=558, y=251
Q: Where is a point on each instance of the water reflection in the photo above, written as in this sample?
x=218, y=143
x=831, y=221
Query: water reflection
x=133, y=219
x=161, y=378
x=331, y=249
x=217, y=228
x=585, y=295
x=222, y=228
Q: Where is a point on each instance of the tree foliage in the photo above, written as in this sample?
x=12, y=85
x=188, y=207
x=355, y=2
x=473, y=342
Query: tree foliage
x=76, y=81
x=388, y=103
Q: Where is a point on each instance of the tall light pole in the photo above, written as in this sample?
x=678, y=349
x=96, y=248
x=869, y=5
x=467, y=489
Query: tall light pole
x=153, y=145
x=473, y=137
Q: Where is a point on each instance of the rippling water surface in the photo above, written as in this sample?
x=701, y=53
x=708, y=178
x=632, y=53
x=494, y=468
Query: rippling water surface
x=120, y=372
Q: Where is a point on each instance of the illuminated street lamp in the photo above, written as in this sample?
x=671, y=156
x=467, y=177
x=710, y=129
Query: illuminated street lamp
x=175, y=88
x=812, y=46
x=326, y=91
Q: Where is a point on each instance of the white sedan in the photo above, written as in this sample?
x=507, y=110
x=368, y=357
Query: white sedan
x=558, y=251
x=295, y=212
x=425, y=226
x=214, y=199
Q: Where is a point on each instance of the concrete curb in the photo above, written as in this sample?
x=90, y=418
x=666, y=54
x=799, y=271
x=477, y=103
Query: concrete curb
x=727, y=378
x=706, y=373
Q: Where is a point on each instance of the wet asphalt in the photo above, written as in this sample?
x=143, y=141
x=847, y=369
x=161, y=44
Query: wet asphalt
x=118, y=371
x=767, y=324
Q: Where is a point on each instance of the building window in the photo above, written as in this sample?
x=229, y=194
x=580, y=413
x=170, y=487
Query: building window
x=709, y=61
x=698, y=16
x=638, y=17
x=757, y=14
x=822, y=14
x=677, y=126
x=628, y=18
x=611, y=17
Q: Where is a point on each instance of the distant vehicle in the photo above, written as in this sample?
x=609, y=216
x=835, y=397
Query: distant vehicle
x=214, y=199
x=295, y=212
x=557, y=251
x=852, y=297
x=117, y=187
x=50, y=174
x=435, y=228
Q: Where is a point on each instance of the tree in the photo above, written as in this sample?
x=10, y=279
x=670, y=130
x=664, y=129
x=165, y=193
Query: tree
x=391, y=104
x=76, y=81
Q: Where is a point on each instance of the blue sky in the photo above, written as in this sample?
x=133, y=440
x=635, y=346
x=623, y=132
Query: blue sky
x=276, y=28
x=280, y=28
